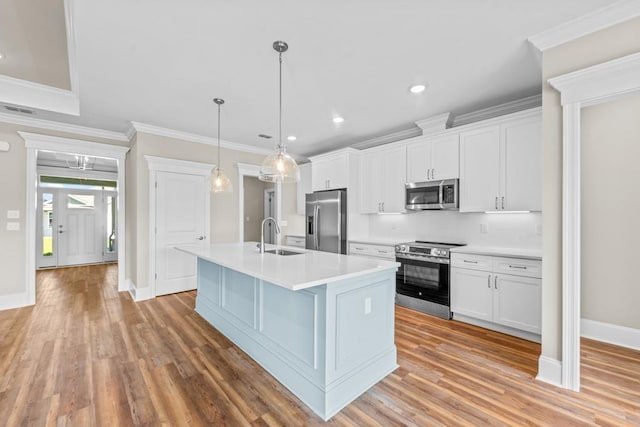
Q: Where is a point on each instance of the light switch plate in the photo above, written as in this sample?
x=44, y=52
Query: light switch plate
x=484, y=228
x=538, y=229
x=13, y=226
x=367, y=305
x=13, y=214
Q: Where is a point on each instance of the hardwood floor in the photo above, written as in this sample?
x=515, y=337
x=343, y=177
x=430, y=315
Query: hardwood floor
x=88, y=355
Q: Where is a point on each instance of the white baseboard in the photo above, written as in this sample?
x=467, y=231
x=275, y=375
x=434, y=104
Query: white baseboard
x=609, y=333
x=549, y=371
x=138, y=294
x=9, y=301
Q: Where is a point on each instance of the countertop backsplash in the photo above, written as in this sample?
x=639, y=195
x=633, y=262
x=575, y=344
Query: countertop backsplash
x=518, y=230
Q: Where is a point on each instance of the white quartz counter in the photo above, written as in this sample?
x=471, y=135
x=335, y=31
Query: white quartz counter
x=294, y=272
x=499, y=251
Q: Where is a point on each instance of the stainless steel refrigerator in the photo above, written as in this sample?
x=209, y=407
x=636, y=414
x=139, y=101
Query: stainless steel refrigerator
x=326, y=215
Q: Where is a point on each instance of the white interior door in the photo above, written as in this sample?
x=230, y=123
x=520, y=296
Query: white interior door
x=180, y=219
x=79, y=227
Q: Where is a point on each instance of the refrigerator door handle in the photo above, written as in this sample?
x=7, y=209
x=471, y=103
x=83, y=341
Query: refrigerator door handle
x=316, y=213
x=317, y=235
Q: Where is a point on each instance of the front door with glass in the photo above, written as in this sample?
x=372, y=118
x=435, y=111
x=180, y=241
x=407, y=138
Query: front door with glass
x=76, y=226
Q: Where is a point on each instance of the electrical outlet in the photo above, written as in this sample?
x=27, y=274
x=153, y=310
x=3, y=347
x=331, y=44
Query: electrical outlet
x=484, y=228
x=13, y=214
x=283, y=223
x=13, y=226
x=367, y=305
x=538, y=228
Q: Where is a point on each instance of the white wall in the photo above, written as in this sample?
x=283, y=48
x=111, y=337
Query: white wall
x=611, y=212
x=505, y=230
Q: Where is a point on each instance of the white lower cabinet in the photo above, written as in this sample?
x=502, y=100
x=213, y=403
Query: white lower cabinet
x=372, y=251
x=498, y=290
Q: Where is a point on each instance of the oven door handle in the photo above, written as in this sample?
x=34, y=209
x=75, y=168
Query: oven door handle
x=424, y=259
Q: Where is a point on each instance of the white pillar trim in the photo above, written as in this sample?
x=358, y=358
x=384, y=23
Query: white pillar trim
x=589, y=86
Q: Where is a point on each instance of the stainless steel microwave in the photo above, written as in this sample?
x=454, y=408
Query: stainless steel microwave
x=432, y=195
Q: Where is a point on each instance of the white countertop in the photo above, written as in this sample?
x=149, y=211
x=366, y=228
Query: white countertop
x=294, y=272
x=499, y=251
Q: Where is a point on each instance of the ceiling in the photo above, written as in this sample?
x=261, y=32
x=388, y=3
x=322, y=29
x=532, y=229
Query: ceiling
x=162, y=62
x=33, y=42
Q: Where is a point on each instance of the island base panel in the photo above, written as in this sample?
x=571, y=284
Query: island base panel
x=321, y=371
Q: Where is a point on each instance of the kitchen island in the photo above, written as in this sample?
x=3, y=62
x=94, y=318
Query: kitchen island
x=322, y=324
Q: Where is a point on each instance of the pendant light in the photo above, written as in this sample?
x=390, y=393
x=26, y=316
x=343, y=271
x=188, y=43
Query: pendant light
x=220, y=182
x=280, y=166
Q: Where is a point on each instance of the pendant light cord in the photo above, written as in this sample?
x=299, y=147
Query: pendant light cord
x=280, y=106
x=218, y=166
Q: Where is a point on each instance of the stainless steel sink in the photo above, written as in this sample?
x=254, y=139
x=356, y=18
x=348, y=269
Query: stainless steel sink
x=282, y=252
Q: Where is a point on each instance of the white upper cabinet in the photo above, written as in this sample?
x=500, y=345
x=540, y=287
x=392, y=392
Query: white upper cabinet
x=382, y=179
x=330, y=172
x=480, y=169
x=335, y=170
x=433, y=158
x=501, y=166
x=304, y=187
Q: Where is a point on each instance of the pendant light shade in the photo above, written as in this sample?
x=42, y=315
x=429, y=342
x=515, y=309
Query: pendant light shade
x=220, y=182
x=280, y=166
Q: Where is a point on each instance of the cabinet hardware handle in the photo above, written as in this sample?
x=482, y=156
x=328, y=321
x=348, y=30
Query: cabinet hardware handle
x=428, y=172
x=503, y=202
x=489, y=281
x=496, y=203
x=495, y=283
x=522, y=267
x=358, y=249
x=433, y=173
x=382, y=206
x=470, y=262
x=382, y=252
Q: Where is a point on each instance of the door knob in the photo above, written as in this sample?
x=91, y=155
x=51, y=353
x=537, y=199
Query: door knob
x=200, y=238
x=60, y=231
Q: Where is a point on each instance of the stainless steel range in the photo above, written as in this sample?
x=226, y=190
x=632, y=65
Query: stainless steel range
x=422, y=281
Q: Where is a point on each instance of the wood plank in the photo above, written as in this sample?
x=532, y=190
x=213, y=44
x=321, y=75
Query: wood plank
x=88, y=355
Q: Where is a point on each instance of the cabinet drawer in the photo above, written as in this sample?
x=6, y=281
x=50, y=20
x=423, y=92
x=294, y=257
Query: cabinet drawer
x=359, y=249
x=296, y=241
x=472, y=262
x=517, y=266
x=382, y=251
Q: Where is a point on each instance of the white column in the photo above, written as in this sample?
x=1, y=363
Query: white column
x=571, y=246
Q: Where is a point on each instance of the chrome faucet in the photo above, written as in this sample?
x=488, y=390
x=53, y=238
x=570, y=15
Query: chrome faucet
x=270, y=218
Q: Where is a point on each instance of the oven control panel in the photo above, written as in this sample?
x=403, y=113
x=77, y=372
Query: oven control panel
x=422, y=251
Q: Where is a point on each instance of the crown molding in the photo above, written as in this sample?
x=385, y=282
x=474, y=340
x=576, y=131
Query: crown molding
x=498, y=110
x=600, y=82
x=62, y=127
x=192, y=137
x=387, y=139
x=590, y=23
x=435, y=124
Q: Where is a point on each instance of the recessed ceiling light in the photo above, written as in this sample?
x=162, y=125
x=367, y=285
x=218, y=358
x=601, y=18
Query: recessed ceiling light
x=291, y=138
x=417, y=88
x=338, y=120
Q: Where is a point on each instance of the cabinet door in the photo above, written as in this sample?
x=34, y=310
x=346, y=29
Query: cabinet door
x=395, y=167
x=517, y=302
x=521, y=158
x=371, y=177
x=319, y=175
x=304, y=187
x=337, y=172
x=471, y=293
x=419, y=160
x=445, y=155
x=480, y=169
